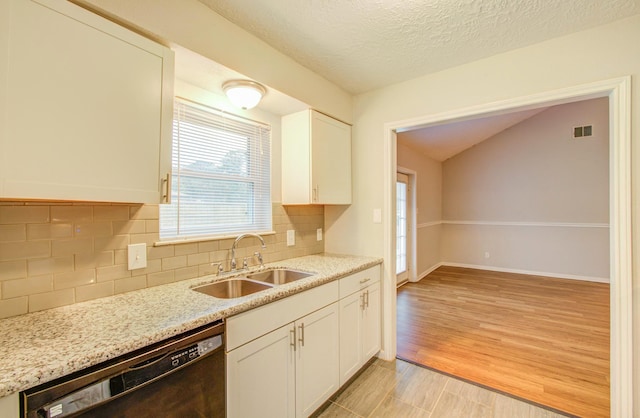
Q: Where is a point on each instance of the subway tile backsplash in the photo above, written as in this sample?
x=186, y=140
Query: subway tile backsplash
x=56, y=254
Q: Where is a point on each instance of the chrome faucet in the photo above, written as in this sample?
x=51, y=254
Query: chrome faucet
x=235, y=243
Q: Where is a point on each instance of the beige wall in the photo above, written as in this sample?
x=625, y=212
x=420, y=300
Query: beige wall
x=544, y=195
x=55, y=254
x=597, y=54
x=428, y=175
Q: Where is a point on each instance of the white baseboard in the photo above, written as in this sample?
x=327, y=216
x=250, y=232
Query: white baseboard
x=427, y=271
x=518, y=271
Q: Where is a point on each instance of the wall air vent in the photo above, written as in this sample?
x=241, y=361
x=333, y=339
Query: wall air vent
x=582, y=131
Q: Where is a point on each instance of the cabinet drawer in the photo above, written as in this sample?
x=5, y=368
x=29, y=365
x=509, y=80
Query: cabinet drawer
x=252, y=324
x=359, y=280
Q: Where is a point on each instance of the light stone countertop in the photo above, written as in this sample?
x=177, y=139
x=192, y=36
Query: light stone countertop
x=38, y=347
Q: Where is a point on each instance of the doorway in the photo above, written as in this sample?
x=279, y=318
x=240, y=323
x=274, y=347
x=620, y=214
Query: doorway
x=618, y=92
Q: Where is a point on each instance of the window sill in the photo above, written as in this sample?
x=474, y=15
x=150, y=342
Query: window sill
x=175, y=241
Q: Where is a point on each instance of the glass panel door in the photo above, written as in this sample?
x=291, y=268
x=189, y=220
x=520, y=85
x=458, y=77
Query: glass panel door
x=402, y=231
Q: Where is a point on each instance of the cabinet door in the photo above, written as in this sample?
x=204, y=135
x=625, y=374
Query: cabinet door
x=371, y=322
x=330, y=160
x=317, y=365
x=350, y=336
x=87, y=106
x=261, y=377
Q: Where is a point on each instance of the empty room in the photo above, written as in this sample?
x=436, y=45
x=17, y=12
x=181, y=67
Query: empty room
x=508, y=254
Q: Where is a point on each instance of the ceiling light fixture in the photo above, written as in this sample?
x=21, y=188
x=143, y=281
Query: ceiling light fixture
x=244, y=94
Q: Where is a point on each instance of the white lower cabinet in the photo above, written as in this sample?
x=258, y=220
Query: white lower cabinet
x=359, y=327
x=288, y=372
x=371, y=323
x=9, y=406
x=286, y=358
x=350, y=336
x=317, y=359
x=261, y=377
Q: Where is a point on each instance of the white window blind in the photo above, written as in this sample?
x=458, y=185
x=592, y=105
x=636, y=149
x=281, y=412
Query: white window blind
x=220, y=175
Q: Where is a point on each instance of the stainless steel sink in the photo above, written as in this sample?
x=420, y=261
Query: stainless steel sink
x=278, y=276
x=232, y=288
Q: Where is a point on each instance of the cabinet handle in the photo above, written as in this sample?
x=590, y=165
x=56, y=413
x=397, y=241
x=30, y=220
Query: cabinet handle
x=363, y=281
x=166, y=183
x=301, y=335
x=362, y=301
x=293, y=340
x=367, y=298
x=315, y=193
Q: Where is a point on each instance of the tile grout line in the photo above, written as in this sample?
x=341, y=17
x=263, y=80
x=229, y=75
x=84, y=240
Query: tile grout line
x=435, y=405
x=388, y=393
x=348, y=410
x=384, y=397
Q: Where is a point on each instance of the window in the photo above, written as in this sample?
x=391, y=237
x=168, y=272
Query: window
x=220, y=175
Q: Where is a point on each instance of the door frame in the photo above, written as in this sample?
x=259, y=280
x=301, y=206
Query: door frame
x=618, y=90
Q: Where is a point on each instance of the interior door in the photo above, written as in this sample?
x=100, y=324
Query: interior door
x=402, y=228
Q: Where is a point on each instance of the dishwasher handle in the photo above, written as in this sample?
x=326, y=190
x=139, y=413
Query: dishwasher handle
x=157, y=367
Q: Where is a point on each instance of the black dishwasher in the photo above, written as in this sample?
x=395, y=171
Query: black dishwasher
x=183, y=376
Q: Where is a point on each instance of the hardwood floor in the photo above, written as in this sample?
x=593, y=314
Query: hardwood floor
x=538, y=338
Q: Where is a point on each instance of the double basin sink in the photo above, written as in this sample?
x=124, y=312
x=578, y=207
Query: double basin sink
x=251, y=283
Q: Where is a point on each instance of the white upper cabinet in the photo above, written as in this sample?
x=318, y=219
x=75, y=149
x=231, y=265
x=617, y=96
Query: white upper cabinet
x=85, y=106
x=316, y=159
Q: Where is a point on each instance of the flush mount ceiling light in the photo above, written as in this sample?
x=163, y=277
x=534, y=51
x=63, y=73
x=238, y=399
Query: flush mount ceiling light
x=244, y=93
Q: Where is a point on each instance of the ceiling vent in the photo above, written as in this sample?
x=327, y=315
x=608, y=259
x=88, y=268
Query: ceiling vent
x=582, y=131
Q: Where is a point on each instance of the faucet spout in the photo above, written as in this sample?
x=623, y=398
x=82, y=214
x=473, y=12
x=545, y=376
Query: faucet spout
x=235, y=244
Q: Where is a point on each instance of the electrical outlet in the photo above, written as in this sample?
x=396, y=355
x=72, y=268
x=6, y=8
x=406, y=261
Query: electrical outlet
x=487, y=254
x=137, y=256
x=319, y=234
x=291, y=237
x=377, y=216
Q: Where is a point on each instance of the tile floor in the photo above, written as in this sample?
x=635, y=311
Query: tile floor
x=401, y=389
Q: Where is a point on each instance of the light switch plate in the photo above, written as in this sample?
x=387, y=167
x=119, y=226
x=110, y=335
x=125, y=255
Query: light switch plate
x=291, y=237
x=137, y=256
x=319, y=234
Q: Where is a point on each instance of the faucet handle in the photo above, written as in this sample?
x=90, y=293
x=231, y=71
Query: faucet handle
x=245, y=263
x=219, y=269
x=259, y=257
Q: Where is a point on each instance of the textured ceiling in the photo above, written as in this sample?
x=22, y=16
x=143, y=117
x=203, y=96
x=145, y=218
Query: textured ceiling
x=362, y=45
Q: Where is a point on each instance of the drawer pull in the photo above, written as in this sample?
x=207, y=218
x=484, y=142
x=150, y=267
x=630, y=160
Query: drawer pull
x=363, y=281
